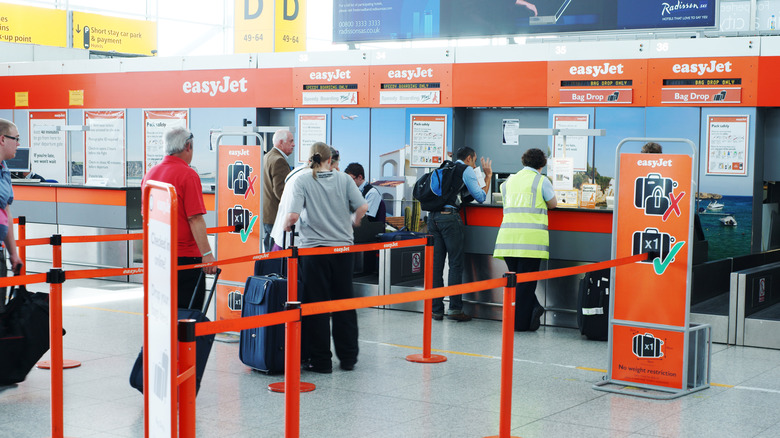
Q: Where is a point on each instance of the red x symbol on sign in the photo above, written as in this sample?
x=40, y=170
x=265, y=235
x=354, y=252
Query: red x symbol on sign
x=675, y=206
x=251, y=187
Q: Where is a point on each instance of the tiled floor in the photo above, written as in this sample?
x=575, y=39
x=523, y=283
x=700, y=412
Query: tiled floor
x=387, y=396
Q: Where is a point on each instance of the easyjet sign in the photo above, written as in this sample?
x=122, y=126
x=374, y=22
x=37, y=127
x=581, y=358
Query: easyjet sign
x=704, y=67
x=596, y=70
x=212, y=88
x=330, y=75
x=410, y=74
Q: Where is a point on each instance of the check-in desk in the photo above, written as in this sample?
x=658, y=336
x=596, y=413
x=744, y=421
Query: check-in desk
x=577, y=237
x=81, y=211
x=758, y=306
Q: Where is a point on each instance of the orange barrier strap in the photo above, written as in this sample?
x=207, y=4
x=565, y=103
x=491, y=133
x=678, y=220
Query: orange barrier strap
x=404, y=297
x=188, y=373
x=33, y=242
x=249, y=258
x=208, y=328
x=362, y=247
x=95, y=273
x=563, y=272
x=247, y=322
x=22, y=279
x=223, y=229
x=103, y=238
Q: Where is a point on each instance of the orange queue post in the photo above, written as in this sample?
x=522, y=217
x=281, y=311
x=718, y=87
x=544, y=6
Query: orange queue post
x=507, y=355
x=426, y=356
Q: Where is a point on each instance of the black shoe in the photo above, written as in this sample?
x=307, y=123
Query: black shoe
x=308, y=366
x=347, y=366
x=536, y=318
x=438, y=316
x=460, y=317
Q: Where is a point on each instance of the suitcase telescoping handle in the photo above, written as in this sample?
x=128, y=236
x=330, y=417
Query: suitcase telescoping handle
x=201, y=276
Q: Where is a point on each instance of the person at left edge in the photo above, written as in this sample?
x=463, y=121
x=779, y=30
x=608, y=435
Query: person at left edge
x=9, y=142
x=193, y=244
x=275, y=170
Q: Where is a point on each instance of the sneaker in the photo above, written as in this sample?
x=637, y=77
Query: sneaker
x=460, y=317
x=536, y=318
x=438, y=316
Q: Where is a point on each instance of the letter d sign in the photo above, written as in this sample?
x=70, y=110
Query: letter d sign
x=294, y=15
x=252, y=16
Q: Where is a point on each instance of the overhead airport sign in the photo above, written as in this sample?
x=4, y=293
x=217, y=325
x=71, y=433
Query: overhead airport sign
x=112, y=34
x=29, y=25
x=263, y=26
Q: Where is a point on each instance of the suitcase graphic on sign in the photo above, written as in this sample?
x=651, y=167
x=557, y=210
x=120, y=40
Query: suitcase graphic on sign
x=238, y=215
x=651, y=240
x=651, y=193
x=647, y=346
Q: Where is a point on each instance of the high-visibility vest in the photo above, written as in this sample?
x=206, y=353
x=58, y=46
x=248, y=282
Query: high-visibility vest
x=523, y=231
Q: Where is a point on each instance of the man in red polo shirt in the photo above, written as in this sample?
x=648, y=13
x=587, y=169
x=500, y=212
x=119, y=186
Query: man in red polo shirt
x=193, y=245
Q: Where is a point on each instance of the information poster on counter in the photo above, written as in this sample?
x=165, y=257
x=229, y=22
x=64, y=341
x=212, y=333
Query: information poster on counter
x=510, y=132
x=156, y=123
x=49, y=146
x=311, y=129
x=428, y=140
x=576, y=145
x=562, y=173
x=727, y=145
x=104, y=148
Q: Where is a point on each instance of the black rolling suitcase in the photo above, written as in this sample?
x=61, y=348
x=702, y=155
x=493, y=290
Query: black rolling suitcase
x=262, y=348
x=24, y=334
x=593, y=309
x=202, y=343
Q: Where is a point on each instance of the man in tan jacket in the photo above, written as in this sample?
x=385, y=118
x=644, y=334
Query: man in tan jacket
x=275, y=169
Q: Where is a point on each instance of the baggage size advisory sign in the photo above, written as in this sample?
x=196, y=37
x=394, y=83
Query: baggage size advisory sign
x=650, y=298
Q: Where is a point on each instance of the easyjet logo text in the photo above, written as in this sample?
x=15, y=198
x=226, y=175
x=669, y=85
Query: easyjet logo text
x=596, y=70
x=654, y=163
x=700, y=69
x=419, y=72
x=331, y=75
x=212, y=88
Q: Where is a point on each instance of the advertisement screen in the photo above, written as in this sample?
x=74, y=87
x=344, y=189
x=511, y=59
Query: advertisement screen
x=358, y=20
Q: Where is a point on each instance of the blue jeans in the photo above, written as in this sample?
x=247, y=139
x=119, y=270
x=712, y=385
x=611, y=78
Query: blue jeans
x=268, y=241
x=447, y=230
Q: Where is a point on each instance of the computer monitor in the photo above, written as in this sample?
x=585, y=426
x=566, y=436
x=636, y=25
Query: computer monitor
x=21, y=162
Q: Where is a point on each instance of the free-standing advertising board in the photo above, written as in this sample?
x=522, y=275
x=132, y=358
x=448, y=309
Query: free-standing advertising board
x=238, y=203
x=649, y=320
x=160, y=304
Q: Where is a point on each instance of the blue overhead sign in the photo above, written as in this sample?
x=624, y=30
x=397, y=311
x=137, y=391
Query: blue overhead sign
x=359, y=20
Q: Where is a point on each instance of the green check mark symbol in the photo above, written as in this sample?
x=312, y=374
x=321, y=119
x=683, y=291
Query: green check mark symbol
x=248, y=230
x=660, y=267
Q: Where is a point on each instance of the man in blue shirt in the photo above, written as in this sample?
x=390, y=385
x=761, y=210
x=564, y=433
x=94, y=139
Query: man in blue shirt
x=447, y=229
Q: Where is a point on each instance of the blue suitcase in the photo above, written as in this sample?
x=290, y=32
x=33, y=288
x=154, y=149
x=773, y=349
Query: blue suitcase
x=262, y=348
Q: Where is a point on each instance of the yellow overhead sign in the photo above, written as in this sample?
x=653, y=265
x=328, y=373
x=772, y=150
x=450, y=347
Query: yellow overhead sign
x=263, y=26
x=106, y=34
x=30, y=25
x=290, y=26
x=253, y=26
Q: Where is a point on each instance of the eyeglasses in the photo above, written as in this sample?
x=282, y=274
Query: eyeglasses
x=190, y=137
x=17, y=138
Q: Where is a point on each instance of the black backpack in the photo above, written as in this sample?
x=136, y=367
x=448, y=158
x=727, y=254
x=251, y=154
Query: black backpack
x=446, y=174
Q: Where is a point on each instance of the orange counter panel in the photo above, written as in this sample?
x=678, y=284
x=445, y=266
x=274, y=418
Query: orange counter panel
x=559, y=220
x=91, y=196
x=35, y=193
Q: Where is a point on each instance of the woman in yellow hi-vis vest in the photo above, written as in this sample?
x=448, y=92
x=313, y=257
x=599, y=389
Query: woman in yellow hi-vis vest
x=523, y=240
